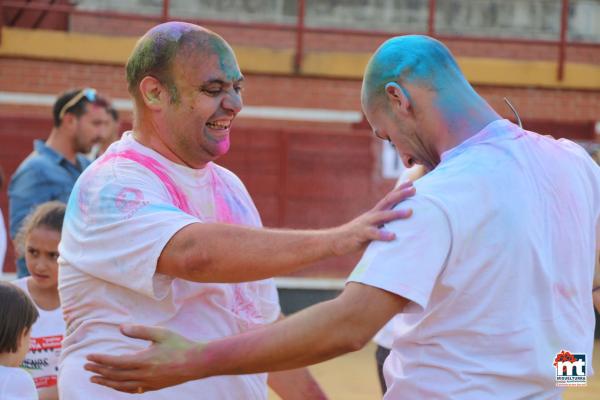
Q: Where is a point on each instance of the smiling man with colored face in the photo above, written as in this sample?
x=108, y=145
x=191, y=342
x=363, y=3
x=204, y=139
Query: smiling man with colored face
x=206, y=96
x=487, y=282
x=157, y=233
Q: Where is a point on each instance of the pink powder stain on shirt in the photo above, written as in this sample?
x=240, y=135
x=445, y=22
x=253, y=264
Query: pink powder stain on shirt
x=177, y=196
x=245, y=307
x=564, y=290
x=244, y=303
x=224, y=212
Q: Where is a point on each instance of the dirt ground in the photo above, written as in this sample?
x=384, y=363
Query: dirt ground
x=354, y=377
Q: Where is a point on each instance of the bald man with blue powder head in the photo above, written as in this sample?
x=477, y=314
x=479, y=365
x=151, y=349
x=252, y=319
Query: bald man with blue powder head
x=489, y=280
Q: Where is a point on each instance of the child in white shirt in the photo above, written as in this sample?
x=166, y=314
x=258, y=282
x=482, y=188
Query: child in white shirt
x=38, y=241
x=17, y=315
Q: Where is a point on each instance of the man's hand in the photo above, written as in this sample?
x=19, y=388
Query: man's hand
x=358, y=233
x=226, y=253
x=313, y=335
x=166, y=362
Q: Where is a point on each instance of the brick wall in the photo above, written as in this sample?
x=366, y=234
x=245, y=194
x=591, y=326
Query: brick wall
x=301, y=174
x=53, y=77
x=353, y=42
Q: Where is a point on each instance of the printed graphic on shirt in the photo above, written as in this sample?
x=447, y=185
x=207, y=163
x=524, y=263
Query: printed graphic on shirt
x=570, y=369
x=42, y=360
x=129, y=200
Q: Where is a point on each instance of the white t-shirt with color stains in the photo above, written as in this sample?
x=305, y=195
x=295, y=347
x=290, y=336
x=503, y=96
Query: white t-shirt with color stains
x=123, y=210
x=45, y=343
x=497, y=261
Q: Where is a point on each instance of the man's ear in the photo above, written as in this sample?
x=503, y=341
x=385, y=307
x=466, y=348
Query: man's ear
x=398, y=97
x=69, y=120
x=152, y=93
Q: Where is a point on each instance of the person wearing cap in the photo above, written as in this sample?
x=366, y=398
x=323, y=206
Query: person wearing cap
x=80, y=119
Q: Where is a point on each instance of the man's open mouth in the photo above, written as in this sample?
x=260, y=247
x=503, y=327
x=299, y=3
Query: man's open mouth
x=222, y=125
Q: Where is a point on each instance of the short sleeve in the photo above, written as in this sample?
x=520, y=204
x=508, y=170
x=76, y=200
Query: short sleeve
x=409, y=265
x=19, y=386
x=117, y=225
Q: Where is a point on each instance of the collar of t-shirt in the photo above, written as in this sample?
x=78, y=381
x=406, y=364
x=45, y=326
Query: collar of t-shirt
x=497, y=130
x=189, y=174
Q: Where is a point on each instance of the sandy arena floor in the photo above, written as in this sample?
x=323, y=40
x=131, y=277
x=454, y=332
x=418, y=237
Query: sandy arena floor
x=353, y=377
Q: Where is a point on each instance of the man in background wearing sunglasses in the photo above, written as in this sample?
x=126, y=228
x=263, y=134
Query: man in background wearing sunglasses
x=50, y=171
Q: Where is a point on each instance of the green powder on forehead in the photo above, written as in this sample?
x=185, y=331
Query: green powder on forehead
x=156, y=52
x=208, y=44
x=227, y=60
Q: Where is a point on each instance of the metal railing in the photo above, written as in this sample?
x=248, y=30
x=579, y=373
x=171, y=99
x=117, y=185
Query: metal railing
x=300, y=28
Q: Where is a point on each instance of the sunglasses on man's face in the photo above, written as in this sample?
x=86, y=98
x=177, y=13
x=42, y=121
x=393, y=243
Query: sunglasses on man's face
x=88, y=93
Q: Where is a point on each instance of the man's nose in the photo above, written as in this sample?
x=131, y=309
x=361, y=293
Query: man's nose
x=233, y=102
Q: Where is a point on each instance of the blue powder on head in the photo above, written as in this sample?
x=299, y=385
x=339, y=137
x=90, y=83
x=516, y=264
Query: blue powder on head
x=414, y=59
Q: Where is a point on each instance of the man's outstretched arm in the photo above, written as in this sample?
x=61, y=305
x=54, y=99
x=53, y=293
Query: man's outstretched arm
x=315, y=334
x=229, y=253
x=295, y=384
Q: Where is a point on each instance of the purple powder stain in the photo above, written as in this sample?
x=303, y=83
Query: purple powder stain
x=83, y=199
x=224, y=212
x=229, y=208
